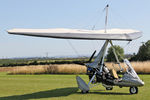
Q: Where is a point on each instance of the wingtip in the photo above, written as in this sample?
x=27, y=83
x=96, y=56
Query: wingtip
x=8, y=31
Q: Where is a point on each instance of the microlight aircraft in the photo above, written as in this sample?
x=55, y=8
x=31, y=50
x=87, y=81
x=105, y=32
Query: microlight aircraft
x=96, y=70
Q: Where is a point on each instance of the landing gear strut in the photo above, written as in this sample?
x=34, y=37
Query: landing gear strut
x=133, y=90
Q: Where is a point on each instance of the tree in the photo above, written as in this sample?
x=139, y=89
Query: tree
x=144, y=52
x=110, y=55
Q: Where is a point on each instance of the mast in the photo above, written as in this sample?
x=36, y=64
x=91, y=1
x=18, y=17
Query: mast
x=106, y=21
x=106, y=17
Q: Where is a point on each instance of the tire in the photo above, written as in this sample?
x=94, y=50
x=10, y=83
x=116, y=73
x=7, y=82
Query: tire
x=109, y=88
x=133, y=90
x=84, y=92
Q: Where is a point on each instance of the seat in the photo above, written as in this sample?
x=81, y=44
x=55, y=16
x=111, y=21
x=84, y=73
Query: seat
x=114, y=73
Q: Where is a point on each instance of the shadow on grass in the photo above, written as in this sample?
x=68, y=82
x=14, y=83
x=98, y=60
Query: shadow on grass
x=43, y=94
x=105, y=93
x=110, y=93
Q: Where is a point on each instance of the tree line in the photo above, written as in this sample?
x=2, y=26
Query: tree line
x=143, y=53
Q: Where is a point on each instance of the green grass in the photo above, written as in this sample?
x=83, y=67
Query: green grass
x=62, y=87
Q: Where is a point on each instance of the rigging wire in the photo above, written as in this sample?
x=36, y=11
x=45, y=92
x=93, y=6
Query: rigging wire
x=92, y=43
x=94, y=26
x=122, y=18
x=97, y=21
x=119, y=16
x=108, y=2
x=73, y=48
x=94, y=19
x=127, y=44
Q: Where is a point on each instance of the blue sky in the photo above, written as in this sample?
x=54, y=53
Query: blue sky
x=83, y=14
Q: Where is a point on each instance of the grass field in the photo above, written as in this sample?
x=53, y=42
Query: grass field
x=62, y=87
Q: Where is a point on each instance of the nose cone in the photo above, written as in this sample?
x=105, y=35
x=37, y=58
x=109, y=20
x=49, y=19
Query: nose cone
x=140, y=83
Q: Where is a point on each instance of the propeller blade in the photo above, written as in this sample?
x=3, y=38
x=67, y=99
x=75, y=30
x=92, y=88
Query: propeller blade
x=92, y=56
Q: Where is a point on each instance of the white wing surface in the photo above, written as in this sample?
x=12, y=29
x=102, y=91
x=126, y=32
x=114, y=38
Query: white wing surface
x=112, y=34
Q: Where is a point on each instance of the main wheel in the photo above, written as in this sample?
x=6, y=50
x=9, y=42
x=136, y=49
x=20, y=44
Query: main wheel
x=133, y=90
x=84, y=92
x=109, y=88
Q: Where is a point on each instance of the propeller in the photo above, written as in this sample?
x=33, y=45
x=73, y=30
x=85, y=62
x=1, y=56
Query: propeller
x=84, y=62
x=92, y=56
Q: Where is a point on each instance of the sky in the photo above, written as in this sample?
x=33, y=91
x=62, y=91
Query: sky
x=76, y=14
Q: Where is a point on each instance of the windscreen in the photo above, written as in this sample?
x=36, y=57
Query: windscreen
x=130, y=69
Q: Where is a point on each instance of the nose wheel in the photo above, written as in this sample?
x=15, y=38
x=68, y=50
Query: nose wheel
x=133, y=90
